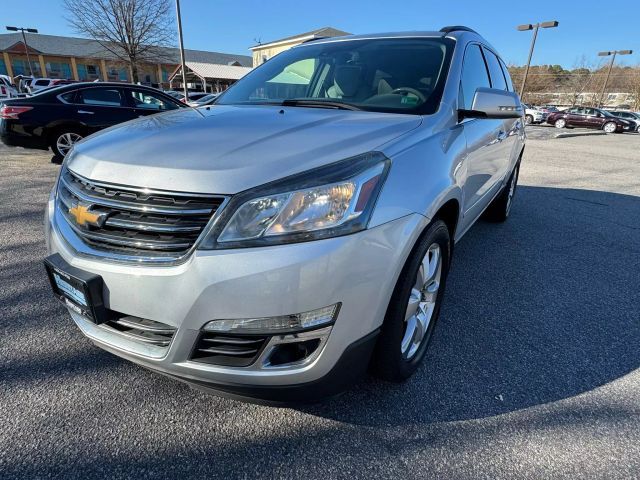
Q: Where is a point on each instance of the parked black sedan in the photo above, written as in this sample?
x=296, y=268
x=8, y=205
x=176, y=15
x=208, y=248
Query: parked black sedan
x=58, y=117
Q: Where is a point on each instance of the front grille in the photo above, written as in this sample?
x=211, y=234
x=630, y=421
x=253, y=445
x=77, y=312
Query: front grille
x=143, y=330
x=136, y=221
x=228, y=349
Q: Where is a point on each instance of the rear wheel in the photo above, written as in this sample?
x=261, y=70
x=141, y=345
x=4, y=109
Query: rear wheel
x=414, y=307
x=63, y=139
x=500, y=207
x=610, y=127
x=561, y=123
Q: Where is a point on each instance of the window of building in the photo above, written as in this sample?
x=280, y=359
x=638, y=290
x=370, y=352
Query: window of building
x=117, y=73
x=3, y=67
x=58, y=70
x=21, y=67
x=88, y=71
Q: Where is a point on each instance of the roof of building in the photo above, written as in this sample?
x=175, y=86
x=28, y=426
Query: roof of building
x=319, y=33
x=210, y=70
x=86, y=48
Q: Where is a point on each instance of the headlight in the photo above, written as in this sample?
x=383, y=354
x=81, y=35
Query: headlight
x=333, y=200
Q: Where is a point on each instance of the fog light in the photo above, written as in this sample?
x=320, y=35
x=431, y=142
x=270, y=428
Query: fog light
x=280, y=324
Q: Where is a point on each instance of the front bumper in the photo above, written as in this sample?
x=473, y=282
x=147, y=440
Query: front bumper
x=359, y=271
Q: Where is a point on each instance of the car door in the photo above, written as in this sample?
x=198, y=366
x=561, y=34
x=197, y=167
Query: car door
x=508, y=133
x=575, y=117
x=147, y=102
x=484, y=139
x=593, y=118
x=101, y=107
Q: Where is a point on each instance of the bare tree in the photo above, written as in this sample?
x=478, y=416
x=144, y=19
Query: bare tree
x=132, y=30
x=580, y=78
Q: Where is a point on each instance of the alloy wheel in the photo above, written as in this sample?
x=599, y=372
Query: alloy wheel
x=66, y=141
x=610, y=127
x=422, y=302
x=561, y=123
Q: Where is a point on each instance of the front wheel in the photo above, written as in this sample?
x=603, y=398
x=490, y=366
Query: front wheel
x=561, y=123
x=528, y=119
x=610, y=127
x=414, y=307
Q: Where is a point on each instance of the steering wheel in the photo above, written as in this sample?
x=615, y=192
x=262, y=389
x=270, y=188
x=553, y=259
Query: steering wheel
x=413, y=91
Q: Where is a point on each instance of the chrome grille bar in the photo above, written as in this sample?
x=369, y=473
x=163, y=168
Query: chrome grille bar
x=142, y=223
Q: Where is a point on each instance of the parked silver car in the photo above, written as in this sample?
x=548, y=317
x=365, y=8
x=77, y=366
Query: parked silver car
x=280, y=242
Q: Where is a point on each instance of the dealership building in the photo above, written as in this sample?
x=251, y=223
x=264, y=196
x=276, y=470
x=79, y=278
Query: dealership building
x=86, y=60
x=264, y=51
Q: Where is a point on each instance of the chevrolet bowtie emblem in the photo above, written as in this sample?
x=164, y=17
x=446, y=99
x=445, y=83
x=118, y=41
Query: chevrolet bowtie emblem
x=84, y=217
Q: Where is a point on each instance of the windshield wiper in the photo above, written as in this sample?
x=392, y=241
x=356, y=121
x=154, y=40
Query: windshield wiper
x=304, y=102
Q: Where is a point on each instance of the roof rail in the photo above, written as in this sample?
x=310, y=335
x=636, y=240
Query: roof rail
x=457, y=28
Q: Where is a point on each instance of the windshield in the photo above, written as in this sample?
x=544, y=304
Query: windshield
x=388, y=75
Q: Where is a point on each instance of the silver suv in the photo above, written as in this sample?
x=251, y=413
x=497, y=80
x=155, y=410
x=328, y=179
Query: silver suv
x=299, y=231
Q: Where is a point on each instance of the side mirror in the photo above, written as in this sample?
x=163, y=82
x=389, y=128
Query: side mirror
x=493, y=103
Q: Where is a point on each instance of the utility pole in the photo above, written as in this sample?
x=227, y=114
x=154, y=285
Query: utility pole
x=606, y=80
x=535, y=28
x=184, y=67
x=24, y=40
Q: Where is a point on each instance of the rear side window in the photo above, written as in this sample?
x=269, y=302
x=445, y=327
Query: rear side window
x=497, y=77
x=42, y=83
x=69, y=97
x=474, y=75
x=507, y=77
x=105, y=97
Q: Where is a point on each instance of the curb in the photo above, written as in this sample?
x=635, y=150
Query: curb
x=579, y=134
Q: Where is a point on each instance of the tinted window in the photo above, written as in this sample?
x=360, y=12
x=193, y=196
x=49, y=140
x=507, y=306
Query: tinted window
x=474, y=75
x=69, y=96
x=42, y=83
x=507, y=77
x=149, y=101
x=107, y=97
x=497, y=77
x=590, y=111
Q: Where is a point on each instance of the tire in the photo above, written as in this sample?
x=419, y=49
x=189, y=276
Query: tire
x=398, y=354
x=610, y=127
x=560, y=123
x=499, y=209
x=62, y=136
x=528, y=119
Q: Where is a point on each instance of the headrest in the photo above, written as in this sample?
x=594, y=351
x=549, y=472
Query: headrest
x=347, y=79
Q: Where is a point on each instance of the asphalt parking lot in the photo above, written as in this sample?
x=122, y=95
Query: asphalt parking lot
x=533, y=372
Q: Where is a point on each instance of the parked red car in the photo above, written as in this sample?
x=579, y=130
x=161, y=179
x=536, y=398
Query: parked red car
x=587, y=117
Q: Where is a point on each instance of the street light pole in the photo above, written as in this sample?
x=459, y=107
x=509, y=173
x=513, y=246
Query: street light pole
x=606, y=80
x=24, y=40
x=535, y=28
x=184, y=67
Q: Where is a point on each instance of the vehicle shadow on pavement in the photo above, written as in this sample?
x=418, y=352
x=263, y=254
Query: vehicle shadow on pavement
x=541, y=308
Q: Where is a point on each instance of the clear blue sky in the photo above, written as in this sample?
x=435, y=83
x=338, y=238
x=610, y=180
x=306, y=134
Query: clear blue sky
x=586, y=26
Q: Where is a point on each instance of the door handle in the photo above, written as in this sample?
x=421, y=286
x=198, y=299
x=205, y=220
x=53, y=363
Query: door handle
x=86, y=112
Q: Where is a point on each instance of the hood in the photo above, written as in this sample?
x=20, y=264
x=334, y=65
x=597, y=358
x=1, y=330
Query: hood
x=227, y=149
